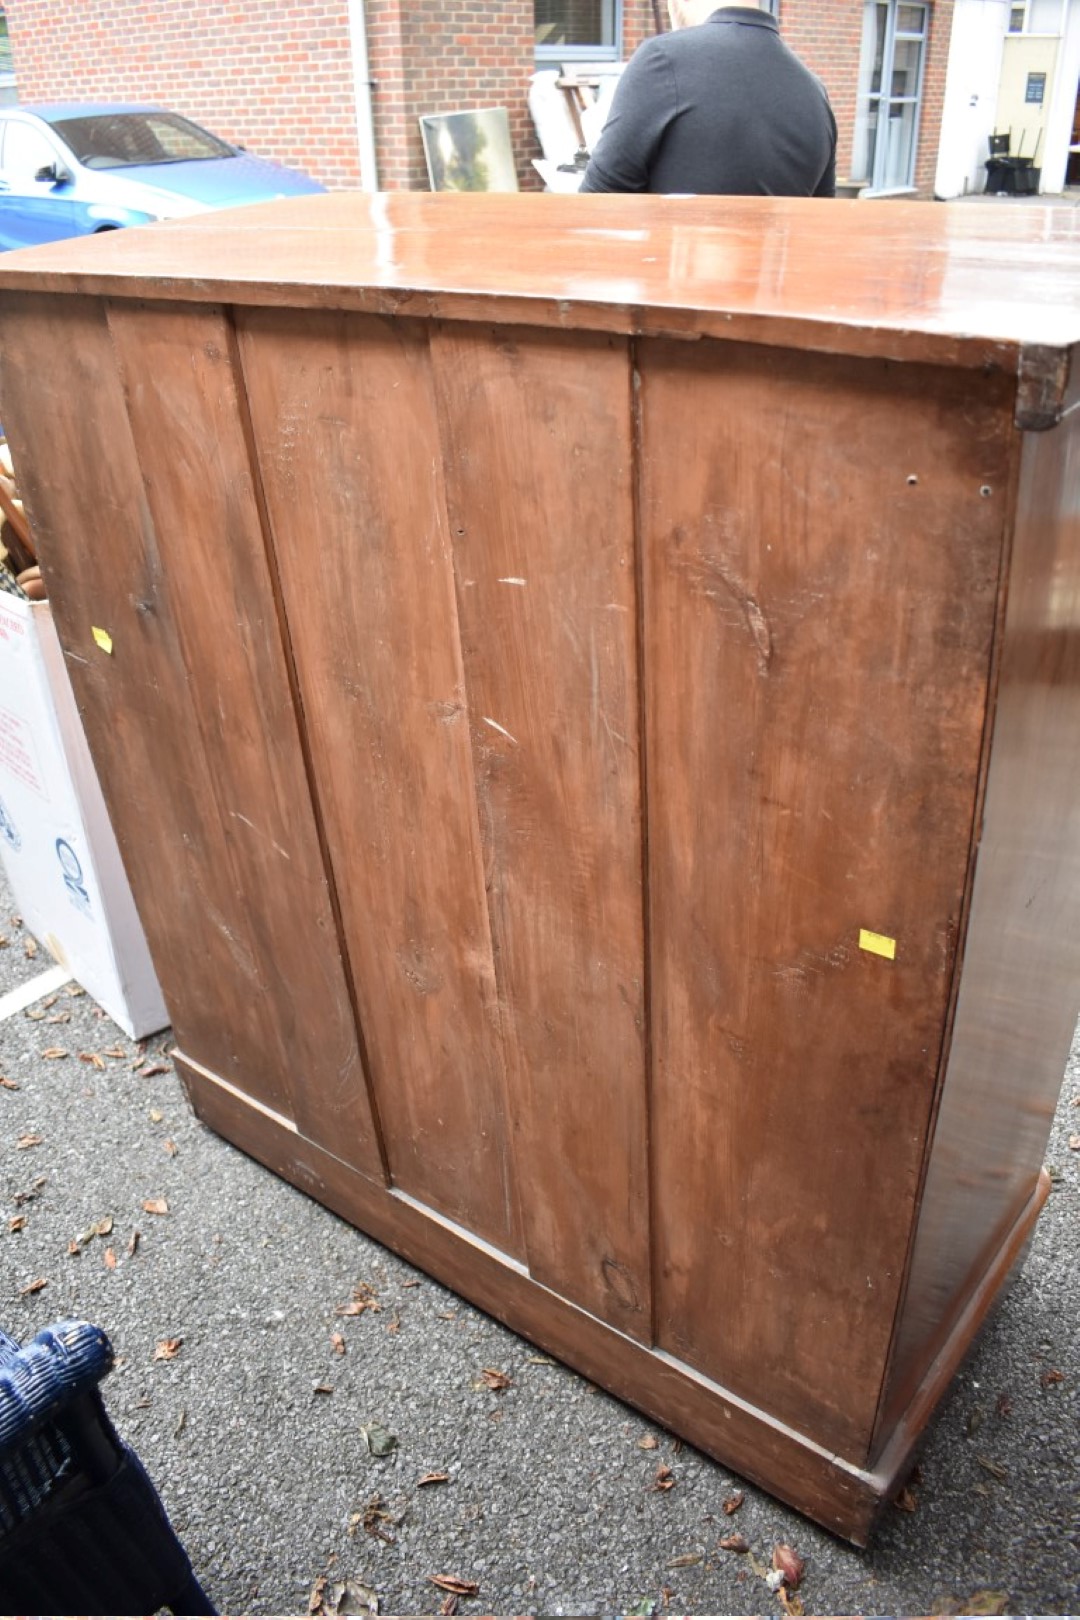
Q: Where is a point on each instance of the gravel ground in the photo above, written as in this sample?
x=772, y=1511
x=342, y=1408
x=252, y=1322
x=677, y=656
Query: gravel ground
x=254, y=1430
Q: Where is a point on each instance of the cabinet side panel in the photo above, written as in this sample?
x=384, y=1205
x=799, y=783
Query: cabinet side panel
x=537, y=436
x=348, y=445
x=1020, y=984
x=152, y=535
x=822, y=544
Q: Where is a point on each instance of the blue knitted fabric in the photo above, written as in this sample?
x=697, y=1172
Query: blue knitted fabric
x=60, y=1362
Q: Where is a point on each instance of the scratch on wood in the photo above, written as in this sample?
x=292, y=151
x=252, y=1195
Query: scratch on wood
x=495, y=726
x=511, y=580
x=708, y=575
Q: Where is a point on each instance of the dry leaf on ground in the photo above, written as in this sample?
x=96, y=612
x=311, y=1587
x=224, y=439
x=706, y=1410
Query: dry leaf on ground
x=491, y=1378
x=166, y=1349
x=664, y=1481
x=738, y=1544
x=156, y=1206
x=29, y=1139
x=455, y=1584
x=34, y=1287
x=433, y=1479
x=732, y=1504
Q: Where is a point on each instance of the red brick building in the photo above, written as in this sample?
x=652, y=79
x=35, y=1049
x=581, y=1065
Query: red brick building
x=292, y=79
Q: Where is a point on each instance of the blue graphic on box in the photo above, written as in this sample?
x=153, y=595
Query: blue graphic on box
x=8, y=830
x=71, y=867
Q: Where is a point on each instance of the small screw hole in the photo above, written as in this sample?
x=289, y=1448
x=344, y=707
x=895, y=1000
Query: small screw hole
x=985, y=490
x=912, y=479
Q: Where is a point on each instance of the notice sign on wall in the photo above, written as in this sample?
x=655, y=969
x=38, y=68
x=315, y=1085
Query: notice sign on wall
x=1036, y=88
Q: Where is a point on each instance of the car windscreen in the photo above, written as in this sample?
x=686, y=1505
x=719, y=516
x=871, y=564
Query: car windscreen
x=123, y=140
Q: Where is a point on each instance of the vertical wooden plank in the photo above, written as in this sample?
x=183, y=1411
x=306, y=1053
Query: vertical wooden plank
x=344, y=420
x=536, y=430
x=1015, y=1017
x=156, y=539
x=822, y=542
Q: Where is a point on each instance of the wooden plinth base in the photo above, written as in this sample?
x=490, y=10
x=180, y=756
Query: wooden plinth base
x=839, y=1495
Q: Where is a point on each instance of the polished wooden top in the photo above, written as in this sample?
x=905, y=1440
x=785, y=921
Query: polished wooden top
x=967, y=284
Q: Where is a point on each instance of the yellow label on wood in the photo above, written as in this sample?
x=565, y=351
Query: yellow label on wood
x=103, y=639
x=879, y=944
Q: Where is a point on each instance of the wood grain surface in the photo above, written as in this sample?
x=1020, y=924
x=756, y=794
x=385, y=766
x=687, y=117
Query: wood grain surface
x=345, y=426
x=817, y=651
x=537, y=446
x=151, y=535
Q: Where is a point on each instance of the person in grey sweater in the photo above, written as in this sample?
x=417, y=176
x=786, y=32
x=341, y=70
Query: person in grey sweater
x=720, y=105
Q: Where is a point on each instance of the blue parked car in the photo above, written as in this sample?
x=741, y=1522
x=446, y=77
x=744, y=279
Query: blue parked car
x=82, y=167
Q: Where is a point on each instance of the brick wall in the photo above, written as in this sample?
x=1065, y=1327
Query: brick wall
x=273, y=76
x=431, y=56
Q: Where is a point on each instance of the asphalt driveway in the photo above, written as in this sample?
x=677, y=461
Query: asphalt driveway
x=258, y=1426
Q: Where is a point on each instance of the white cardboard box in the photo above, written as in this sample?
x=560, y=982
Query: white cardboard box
x=57, y=843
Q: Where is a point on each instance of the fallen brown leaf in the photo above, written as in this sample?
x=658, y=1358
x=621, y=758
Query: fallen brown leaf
x=150, y=1069
x=133, y=1241
x=115, y=1052
x=29, y=1139
x=732, y=1504
x=998, y=1470
x=363, y=1299
x=986, y=1602
x=8, y=1085
x=110, y=1259
x=374, y=1518
x=171, y=1148
x=1074, y=1143
x=34, y=1287
x=322, y=1389
x=56, y=1052
x=664, y=1481
x=59, y=1017
x=166, y=1349
x=448, y=1604
x=648, y=1442
x=737, y=1544
x=17, y=1223
x=790, y=1604
x=92, y=1057
x=1052, y=1376
x=394, y=1324
x=906, y=1500
x=455, y=1584
x=787, y=1561
x=156, y=1206
x=31, y=1192
x=31, y=948
x=433, y=1479
x=338, y=1344
x=493, y=1379
x=685, y=1560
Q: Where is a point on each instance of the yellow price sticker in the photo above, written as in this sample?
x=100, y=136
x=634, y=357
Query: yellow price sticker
x=103, y=639
x=877, y=944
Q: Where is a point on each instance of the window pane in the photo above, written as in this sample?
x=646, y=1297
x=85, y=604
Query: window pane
x=911, y=20
x=575, y=22
x=26, y=151
x=905, y=73
x=118, y=140
x=899, y=135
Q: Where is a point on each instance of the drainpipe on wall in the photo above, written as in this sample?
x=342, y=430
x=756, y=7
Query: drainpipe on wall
x=365, y=123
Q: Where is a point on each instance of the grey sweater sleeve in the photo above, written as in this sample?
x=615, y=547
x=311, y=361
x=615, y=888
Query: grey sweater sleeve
x=644, y=104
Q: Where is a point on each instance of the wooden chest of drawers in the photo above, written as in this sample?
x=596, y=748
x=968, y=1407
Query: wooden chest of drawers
x=587, y=692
